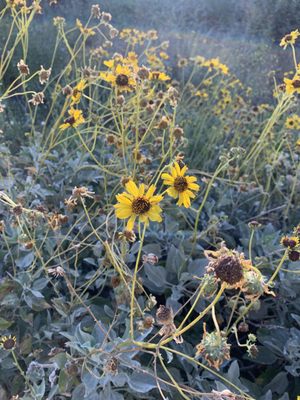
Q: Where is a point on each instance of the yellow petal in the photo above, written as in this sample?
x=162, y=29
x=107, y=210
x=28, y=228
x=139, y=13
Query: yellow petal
x=150, y=192
x=193, y=186
x=176, y=165
x=183, y=170
x=154, y=216
x=123, y=213
x=172, y=192
x=122, y=198
x=141, y=189
x=132, y=188
x=130, y=223
x=190, y=179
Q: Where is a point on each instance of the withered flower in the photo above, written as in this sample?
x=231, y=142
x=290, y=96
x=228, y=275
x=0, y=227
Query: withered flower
x=106, y=17
x=165, y=317
x=37, y=98
x=111, y=366
x=56, y=271
x=67, y=91
x=23, y=68
x=44, y=75
x=82, y=192
x=95, y=10
x=213, y=348
x=150, y=258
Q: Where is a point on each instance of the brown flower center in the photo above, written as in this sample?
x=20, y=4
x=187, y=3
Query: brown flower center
x=180, y=184
x=70, y=120
x=296, y=84
x=122, y=80
x=288, y=38
x=9, y=344
x=228, y=269
x=140, y=205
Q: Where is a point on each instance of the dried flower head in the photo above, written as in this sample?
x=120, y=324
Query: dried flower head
x=111, y=366
x=106, y=17
x=228, y=269
x=143, y=73
x=294, y=255
x=213, y=348
x=254, y=225
x=178, y=132
x=127, y=235
x=23, y=68
x=17, y=210
x=37, y=98
x=67, y=90
x=56, y=220
x=163, y=123
x=148, y=322
x=44, y=75
x=113, y=32
x=164, y=315
x=95, y=11
x=56, y=271
x=150, y=258
x=82, y=192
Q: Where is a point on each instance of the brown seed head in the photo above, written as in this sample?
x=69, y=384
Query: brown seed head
x=228, y=269
x=164, y=315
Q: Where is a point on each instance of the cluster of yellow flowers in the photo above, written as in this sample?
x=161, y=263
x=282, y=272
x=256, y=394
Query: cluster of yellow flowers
x=136, y=203
x=215, y=64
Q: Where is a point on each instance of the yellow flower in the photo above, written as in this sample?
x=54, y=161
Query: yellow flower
x=289, y=39
x=77, y=91
x=135, y=203
x=8, y=342
x=163, y=55
x=159, y=76
x=298, y=142
x=215, y=63
x=84, y=30
x=76, y=118
x=293, y=122
x=292, y=85
x=201, y=93
x=120, y=76
x=180, y=186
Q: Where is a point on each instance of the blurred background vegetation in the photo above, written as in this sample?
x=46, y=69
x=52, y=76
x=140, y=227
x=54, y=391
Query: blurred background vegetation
x=245, y=34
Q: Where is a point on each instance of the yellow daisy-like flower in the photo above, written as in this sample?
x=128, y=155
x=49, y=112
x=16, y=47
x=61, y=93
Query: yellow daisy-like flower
x=289, y=39
x=292, y=85
x=84, y=30
x=77, y=91
x=181, y=186
x=159, y=76
x=8, y=342
x=214, y=63
x=293, y=122
x=135, y=203
x=121, y=77
x=75, y=118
